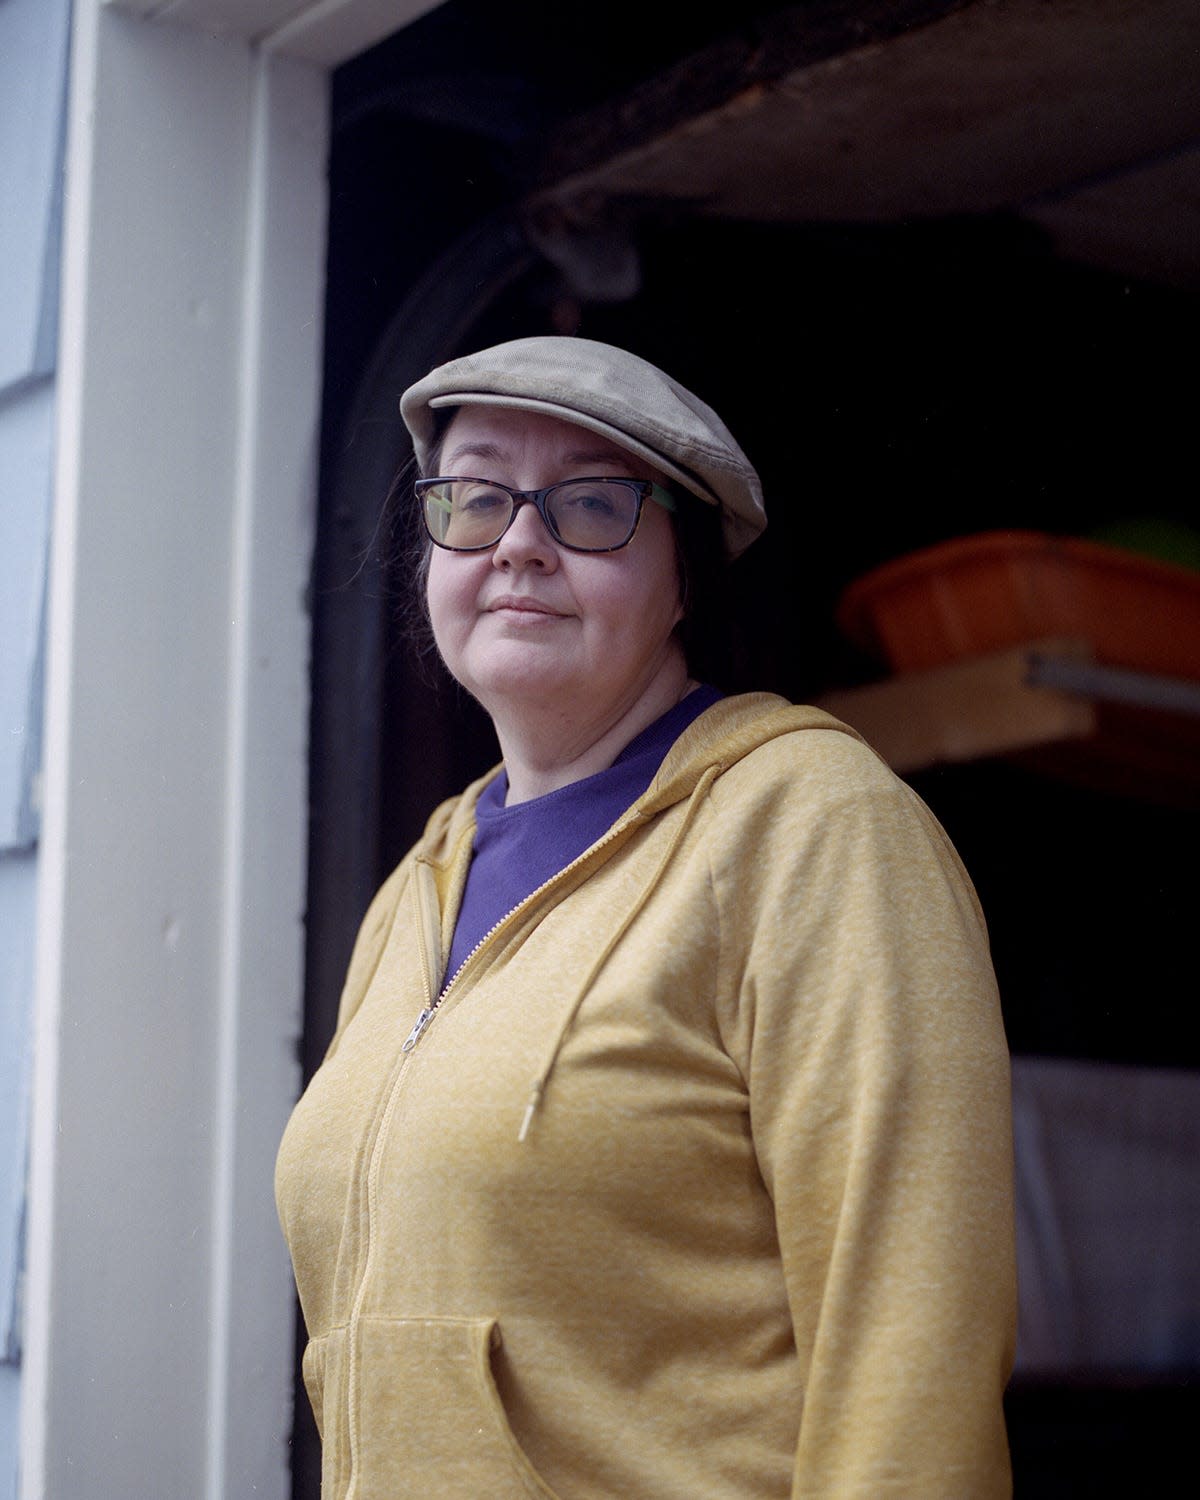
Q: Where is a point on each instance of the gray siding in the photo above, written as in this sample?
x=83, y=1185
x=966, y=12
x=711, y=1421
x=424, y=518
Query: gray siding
x=33, y=53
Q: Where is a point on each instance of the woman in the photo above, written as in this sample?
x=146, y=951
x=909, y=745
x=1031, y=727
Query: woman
x=662, y=1149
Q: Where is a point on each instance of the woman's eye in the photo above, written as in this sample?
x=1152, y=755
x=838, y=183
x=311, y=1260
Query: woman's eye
x=481, y=500
x=593, y=502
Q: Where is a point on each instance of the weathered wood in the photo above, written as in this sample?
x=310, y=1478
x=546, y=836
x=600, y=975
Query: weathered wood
x=764, y=50
x=883, y=114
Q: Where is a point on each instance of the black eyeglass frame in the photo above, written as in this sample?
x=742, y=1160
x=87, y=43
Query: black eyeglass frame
x=645, y=489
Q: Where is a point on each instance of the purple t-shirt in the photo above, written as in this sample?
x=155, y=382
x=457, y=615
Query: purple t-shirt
x=519, y=848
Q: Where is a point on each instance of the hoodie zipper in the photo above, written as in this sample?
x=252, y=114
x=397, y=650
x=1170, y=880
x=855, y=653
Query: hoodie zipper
x=433, y=1003
x=428, y=946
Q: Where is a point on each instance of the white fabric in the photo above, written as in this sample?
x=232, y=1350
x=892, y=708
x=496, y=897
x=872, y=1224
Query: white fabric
x=1108, y=1216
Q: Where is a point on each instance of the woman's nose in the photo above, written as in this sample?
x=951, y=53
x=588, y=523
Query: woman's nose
x=527, y=542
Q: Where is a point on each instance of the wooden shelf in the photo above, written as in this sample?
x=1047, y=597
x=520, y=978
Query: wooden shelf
x=1047, y=704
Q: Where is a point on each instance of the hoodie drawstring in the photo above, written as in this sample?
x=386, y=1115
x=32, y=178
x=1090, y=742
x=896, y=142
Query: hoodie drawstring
x=538, y=1089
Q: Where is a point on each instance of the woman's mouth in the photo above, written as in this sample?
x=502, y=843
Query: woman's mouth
x=521, y=604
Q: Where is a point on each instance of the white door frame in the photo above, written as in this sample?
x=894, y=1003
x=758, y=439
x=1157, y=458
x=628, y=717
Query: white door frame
x=159, y=1308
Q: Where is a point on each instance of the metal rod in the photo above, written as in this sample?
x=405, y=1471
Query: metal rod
x=1104, y=684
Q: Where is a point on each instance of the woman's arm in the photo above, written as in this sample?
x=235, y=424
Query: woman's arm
x=869, y=1029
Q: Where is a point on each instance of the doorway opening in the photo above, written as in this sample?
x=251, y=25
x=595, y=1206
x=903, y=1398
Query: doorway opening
x=897, y=383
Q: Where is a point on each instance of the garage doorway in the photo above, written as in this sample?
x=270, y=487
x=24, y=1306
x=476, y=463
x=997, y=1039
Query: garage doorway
x=898, y=383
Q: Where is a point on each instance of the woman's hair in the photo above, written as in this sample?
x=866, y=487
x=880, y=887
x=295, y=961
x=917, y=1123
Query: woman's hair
x=700, y=559
x=703, y=567
x=409, y=551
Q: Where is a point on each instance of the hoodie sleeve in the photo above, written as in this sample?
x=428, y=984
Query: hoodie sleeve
x=862, y=1009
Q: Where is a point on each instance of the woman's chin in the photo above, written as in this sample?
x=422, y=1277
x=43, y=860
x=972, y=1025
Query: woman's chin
x=520, y=673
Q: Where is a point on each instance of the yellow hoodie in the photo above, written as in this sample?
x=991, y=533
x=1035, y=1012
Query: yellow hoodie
x=696, y=1184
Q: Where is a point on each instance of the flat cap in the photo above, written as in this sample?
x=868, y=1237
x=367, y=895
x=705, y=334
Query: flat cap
x=608, y=391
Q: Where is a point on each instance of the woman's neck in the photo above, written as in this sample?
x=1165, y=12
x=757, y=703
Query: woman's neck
x=550, y=746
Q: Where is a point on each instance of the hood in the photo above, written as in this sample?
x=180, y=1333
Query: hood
x=714, y=742
x=721, y=736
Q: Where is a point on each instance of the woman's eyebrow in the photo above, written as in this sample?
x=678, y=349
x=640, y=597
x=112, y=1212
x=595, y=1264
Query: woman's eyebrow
x=486, y=451
x=494, y=452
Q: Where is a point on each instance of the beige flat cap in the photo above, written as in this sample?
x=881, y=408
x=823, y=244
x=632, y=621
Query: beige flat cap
x=608, y=391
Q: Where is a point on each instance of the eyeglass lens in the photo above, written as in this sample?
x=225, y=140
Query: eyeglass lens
x=593, y=515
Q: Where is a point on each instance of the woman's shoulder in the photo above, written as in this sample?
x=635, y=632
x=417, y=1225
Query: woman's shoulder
x=807, y=775
x=762, y=744
x=450, y=822
x=814, y=795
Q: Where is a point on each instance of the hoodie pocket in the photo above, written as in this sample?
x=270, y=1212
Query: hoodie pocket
x=313, y=1369
x=430, y=1420
x=324, y=1369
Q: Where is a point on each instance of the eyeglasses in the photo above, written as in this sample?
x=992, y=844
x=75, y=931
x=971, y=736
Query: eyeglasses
x=583, y=515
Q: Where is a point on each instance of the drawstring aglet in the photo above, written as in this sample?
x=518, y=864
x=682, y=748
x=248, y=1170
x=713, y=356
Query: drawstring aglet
x=535, y=1098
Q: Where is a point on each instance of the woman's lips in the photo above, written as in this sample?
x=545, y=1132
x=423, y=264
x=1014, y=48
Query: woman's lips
x=522, y=605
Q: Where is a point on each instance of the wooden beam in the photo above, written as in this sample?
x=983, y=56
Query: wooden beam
x=873, y=114
x=968, y=710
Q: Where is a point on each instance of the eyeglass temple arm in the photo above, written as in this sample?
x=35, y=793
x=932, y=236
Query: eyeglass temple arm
x=663, y=497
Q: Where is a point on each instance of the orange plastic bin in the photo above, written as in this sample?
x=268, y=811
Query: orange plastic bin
x=982, y=593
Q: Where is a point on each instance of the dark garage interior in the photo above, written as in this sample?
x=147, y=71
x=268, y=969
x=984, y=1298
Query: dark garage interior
x=960, y=299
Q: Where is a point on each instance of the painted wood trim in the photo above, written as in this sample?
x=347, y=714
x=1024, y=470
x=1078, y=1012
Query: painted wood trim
x=160, y=1304
x=325, y=32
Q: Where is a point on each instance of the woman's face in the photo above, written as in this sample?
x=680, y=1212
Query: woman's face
x=529, y=623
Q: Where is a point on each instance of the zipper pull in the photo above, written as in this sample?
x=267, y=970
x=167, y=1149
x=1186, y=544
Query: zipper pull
x=414, y=1036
